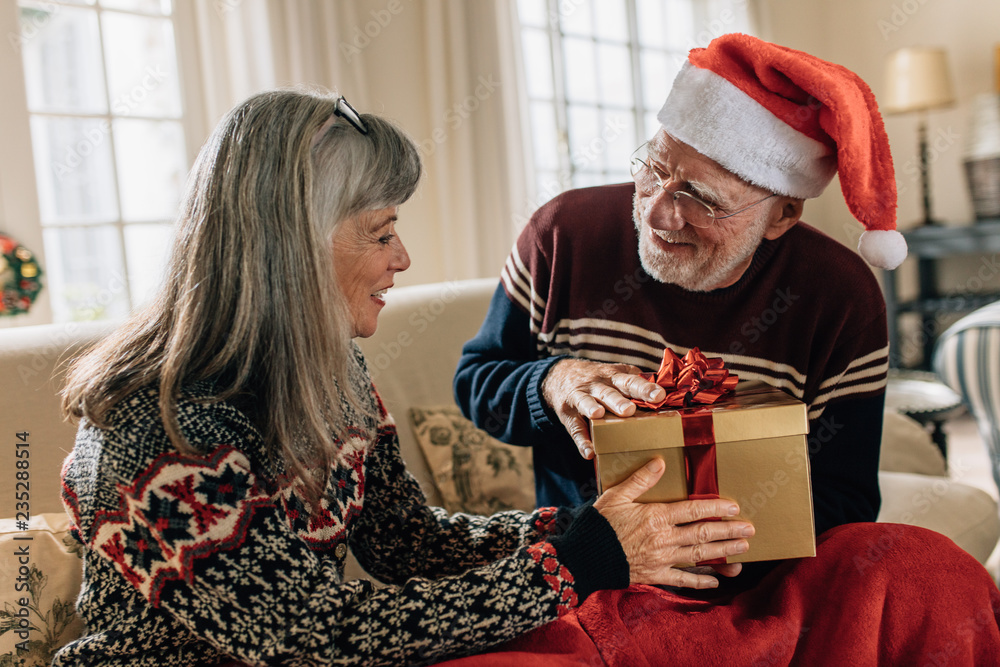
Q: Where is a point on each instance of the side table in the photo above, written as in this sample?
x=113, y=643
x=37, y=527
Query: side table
x=921, y=396
x=928, y=244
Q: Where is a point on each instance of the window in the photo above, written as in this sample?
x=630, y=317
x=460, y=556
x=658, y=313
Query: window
x=106, y=116
x=595, y=74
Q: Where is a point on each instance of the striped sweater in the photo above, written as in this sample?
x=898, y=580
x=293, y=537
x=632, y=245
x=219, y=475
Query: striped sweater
x=194, y=559
x=807, y=317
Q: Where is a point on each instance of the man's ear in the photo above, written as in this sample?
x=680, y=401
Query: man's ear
x=788, y=214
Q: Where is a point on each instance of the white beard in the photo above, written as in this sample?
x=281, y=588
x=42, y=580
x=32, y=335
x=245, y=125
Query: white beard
x=711, y=267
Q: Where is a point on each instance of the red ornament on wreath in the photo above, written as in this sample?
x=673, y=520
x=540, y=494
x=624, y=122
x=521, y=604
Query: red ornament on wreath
x=20, y=277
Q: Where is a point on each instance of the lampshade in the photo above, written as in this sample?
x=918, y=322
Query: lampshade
x=917, y=78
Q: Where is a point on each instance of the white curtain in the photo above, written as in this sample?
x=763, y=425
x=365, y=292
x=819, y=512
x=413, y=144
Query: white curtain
x=443, y=69
x=479, y=168
x=234, y=48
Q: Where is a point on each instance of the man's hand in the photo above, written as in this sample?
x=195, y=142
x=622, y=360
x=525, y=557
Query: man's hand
x=656, y=537
x=578, y=389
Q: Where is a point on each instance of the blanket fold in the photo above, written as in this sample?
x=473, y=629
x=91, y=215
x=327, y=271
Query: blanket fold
x=875, y=594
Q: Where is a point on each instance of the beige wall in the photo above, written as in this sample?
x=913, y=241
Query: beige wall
x=859, y=34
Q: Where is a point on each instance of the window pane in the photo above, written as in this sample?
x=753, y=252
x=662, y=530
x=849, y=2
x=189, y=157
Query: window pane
x=151, y=168
x=619, y=176
x=532, y=12
x=548, y=185
x=87, y=278
x=658, y=71
x=718, y=17
x=74, y=169
x=583, y=179
x=681, y=28
x=537, y=63
x=545, y=136
x=142, y=65
x=615, y=68
x=608, y=107
x=147, y=248
x=651, y=124
x=584, y=137
x=62, y=59
x=612, y=23
x=649, y=16
x=581, y=85
x=618, y=135
x=147, y=6
x=575, y=17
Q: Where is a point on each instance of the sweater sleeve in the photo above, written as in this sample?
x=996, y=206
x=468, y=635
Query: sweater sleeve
x=845, y=425
x=397, y=536
x=205, y=540
x=844, y=451
x=498, y=381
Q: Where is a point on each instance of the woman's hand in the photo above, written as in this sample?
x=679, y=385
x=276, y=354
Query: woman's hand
x=578, y=389
x=657, y=537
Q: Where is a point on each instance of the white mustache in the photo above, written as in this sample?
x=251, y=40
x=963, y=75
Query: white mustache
x=667, y=236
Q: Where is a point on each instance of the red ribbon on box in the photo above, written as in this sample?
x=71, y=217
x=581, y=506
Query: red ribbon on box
x=700, y=467
x=699, y=455
x=695, y=379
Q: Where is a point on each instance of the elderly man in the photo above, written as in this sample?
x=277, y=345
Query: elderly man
x=705, y=249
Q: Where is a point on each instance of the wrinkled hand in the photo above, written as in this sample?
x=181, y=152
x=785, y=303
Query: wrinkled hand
x=578, y=389
x=657, y=537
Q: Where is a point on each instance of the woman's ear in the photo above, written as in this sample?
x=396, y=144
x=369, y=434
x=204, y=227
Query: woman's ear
x=788, y=214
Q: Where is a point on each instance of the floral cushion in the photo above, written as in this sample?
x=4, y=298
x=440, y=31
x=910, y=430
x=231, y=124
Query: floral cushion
x=40, y=576
x=474, y=472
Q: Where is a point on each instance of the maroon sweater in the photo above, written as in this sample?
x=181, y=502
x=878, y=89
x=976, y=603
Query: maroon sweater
x=807, y=317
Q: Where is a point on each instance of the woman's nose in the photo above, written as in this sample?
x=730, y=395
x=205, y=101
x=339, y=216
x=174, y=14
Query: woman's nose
x=400, y=258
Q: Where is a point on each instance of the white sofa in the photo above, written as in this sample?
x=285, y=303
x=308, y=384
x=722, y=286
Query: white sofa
x=412, y=357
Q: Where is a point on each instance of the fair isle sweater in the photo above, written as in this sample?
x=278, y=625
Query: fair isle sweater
x=192, y=560
x=806, y=317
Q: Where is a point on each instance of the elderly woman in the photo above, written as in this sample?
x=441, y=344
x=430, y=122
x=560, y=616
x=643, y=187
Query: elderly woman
x=231, y=444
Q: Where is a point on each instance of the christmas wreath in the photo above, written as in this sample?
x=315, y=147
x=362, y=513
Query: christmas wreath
x=19, y=277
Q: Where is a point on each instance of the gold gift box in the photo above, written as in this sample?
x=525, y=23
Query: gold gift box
x=761, y=456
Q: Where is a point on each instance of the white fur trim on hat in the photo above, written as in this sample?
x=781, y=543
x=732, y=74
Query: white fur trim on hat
x=885, y=249
x=720, y=121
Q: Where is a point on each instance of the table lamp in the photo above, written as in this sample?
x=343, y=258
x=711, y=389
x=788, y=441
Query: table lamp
x=917, y=80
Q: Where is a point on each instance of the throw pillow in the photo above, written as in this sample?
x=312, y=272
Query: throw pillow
x=474, y=472
x=40, y=577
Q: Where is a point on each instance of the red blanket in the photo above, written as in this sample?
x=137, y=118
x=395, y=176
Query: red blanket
x=875, y=594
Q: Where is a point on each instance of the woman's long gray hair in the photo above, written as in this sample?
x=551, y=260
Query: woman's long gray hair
x=250, y=299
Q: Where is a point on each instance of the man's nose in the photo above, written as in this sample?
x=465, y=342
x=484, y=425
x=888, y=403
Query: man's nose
x=661, y=211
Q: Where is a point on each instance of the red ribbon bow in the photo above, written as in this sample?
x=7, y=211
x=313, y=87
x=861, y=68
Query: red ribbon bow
x=695, y=379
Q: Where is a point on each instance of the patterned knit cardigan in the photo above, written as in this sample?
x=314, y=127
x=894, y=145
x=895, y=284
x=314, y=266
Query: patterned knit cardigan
x=196, y=559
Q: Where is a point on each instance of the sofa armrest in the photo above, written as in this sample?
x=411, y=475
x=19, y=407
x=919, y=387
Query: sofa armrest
x=964, y=513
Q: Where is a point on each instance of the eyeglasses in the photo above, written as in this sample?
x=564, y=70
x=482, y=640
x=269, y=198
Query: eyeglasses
x=344, y=109
x=693, y=210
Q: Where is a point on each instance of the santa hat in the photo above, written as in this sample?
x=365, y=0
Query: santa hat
x=787, y=121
